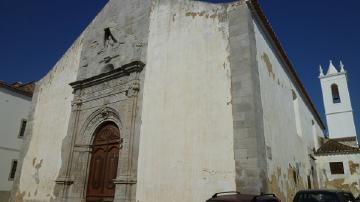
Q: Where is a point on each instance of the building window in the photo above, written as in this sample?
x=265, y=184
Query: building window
x=297, y=113
x=13, y=170
x=335, y=93
x=22, y=128
x=336, y=168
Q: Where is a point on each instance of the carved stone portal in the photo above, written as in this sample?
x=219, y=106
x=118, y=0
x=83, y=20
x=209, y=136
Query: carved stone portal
x=103, y=103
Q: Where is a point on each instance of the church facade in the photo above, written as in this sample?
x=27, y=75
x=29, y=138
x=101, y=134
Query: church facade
x=166, y=101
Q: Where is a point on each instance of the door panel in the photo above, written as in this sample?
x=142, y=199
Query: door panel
x=96, y=172
x=104, y=164
x=112, y=165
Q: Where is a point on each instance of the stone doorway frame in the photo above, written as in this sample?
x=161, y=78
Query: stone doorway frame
x=103, y=146
x=108, y=97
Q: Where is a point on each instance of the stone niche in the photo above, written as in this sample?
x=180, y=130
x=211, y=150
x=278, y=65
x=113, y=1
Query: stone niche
x=111, y=96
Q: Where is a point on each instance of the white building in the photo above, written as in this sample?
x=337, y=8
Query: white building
x=191, y=97
x=338, y=159
x=15, y=103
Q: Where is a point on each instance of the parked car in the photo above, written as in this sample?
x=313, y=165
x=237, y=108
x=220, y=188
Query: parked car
x=237, y=197
x=324, y=196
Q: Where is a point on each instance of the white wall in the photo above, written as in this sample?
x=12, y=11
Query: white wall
x=14, y=107
x=186, y=143
x=340, y=119
x=288, y=140
x=51, y=116
x=349, y=181
x=341, y=125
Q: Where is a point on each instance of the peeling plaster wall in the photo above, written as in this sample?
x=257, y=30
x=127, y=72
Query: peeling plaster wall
x=287, y=145
x=186, y=143
x=48, y=127
x=349, y=181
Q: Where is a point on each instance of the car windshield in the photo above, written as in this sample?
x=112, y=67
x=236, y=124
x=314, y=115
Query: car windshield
x=317, y=197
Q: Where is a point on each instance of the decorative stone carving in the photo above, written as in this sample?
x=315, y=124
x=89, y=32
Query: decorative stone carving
x=64, y=181
x=133, y=89
x=109, y=39
x=125, y=70
x=105, y=113
x=125, y=180
x=77, y=102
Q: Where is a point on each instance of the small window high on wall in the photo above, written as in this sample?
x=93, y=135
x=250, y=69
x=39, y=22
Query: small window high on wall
x=335, y=93
x=297, y=113
x=22, y=128
x=13, y=170
x=336, y=168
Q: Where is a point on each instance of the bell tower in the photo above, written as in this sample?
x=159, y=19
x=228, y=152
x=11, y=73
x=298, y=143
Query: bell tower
x=337, y=103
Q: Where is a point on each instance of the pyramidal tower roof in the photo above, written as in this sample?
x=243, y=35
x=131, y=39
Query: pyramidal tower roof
x=332, y=69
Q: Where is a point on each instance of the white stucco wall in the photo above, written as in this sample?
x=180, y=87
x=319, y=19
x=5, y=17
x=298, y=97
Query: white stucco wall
x=50, y=123
x=340, y=119
x=341, y=125
x=349, y=181
x=288, y=129
x=186, y=142
x=14, y=107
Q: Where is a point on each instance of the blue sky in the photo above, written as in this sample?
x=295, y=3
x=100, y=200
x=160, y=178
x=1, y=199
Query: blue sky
x=35, y=34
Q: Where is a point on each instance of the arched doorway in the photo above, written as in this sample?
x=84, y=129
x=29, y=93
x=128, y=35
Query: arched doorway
x=103, y=164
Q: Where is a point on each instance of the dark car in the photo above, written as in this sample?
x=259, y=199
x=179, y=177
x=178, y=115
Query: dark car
x=324, y=196
x=237, y=197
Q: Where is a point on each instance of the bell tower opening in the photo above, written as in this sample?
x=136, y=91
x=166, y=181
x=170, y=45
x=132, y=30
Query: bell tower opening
x=335, y=93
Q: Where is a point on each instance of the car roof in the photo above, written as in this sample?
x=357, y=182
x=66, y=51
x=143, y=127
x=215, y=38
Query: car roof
x=322, y=190
x=233, y=197
x=241, y=197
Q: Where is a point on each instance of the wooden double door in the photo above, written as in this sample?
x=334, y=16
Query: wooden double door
x=103, y=164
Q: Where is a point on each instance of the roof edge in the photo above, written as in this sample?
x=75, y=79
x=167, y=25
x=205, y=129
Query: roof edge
x=16, y=90
x=259, y=13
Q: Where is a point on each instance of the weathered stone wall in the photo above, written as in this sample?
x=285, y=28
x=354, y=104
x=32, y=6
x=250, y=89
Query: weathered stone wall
x=46, y=129
x=349, y=181
x=291, y=131
x=186, y=142
x=128, y=23
x=249, y=144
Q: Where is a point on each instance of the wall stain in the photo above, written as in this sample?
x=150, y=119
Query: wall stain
x=283, y=185
x=268, y=64
x=192, y=14
x=34, y=161
x=341, y=185
x=37, y=167
x=20, y=196
x=353, y=167
x=220, y=16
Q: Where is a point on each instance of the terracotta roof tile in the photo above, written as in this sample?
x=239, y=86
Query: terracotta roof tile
x=333, y=147
x=345, y=139
x=25, y=89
